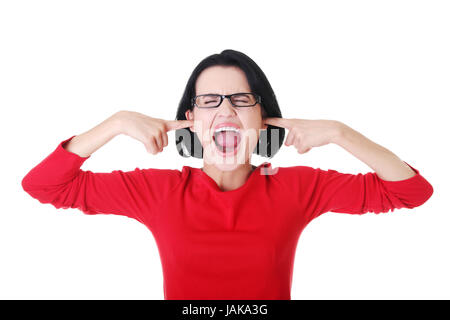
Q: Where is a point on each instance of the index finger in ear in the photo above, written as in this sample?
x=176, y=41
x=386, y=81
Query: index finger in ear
x=178, y=124
x=277, y=122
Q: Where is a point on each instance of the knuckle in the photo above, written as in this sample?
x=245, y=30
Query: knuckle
x=151, y=146
x=295, y=130
x=154, y=131
x=160, y=126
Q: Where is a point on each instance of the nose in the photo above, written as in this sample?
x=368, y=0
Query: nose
x=226, y=108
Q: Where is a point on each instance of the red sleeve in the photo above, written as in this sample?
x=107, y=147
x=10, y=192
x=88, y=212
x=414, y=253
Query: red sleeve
x=58, y=180
x=320, y=191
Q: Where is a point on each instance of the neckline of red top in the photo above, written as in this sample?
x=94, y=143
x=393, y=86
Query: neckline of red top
x=210, y=181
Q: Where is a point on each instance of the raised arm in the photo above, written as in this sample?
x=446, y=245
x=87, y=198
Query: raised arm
x=394, y=184
x=58, y=179
x=87, y=143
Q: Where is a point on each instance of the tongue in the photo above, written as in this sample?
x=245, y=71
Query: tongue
x=229, y=139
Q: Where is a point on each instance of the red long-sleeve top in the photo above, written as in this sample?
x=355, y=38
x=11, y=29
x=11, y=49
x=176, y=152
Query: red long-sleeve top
x=214, y=244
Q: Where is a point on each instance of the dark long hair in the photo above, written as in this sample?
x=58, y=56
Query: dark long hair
x=270, y=140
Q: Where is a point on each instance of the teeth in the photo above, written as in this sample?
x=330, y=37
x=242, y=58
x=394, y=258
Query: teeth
x=226, y=129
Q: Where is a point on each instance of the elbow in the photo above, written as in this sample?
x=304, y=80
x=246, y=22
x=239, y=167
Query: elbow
x=25, y=183
x=425, y=196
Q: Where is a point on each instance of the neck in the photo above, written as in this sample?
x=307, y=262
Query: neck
x=229, y=180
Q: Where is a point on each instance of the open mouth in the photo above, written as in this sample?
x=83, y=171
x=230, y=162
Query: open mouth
x=227, y=139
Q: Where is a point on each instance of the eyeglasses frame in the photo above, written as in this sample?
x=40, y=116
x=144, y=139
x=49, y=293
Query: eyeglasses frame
x=228, y=96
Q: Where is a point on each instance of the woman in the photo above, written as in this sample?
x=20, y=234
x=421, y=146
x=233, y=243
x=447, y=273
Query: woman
x=228, y=230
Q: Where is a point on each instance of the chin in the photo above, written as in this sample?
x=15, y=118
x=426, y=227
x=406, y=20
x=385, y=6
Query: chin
x=226, y=167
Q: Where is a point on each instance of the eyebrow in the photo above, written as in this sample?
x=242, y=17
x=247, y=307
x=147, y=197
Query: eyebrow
x=221, y=94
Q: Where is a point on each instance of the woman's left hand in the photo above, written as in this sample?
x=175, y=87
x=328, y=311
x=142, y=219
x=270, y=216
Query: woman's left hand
x=306, y=134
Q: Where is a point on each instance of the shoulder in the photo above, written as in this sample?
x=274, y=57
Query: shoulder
x=295, y=174
x=160, y=175
x=286, y=172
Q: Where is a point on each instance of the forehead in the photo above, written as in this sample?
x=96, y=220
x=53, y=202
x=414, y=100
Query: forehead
x=222, y=80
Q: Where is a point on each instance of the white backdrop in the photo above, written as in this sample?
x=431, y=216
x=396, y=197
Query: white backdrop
x=381, y=67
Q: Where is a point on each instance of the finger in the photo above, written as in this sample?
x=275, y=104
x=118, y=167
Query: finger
x=147, y=147
x=152, y=146
x=159, y=142
x=305, y=150
x=178, y=124
x=298, y=143
x=290, y=138
x=165, y=139
x=277, y=122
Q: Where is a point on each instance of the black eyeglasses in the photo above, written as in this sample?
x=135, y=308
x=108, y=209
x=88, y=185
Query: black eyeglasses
x=240, y=100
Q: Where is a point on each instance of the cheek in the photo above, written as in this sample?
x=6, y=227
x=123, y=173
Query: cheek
x=198, y=125
x=252, y=132
x=252, y=120
x=202, y=124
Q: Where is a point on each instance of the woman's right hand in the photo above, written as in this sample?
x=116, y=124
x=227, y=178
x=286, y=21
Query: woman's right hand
x=152, y=132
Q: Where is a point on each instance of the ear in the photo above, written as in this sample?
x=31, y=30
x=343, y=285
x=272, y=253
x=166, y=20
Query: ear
x=263, y=125
x=190, y=116
x=264, y=116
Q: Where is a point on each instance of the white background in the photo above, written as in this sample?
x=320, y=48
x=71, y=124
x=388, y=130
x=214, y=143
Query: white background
x=381, y=67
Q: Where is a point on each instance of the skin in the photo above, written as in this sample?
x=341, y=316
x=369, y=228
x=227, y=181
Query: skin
x=306, y=134
x=303, y=134
x=232, y=174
